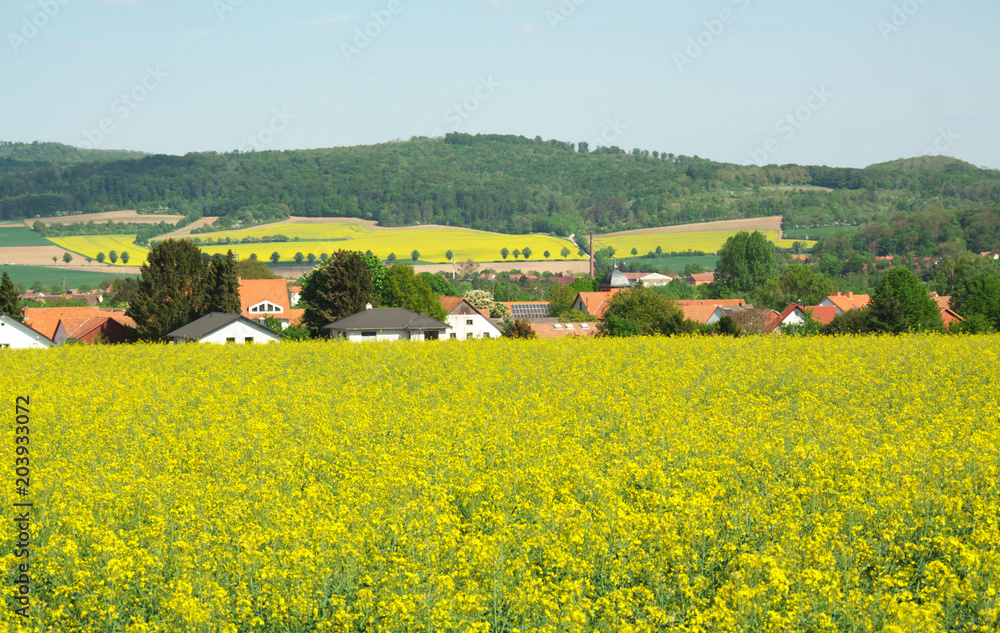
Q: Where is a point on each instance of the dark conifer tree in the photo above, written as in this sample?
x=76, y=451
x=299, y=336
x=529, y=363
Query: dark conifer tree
x=171, y=290
x=10, y=300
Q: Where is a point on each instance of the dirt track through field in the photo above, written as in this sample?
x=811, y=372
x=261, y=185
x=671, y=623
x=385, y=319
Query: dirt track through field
x=770, y=223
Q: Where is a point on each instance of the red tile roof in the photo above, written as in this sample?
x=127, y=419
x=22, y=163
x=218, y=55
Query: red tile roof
x=848, y=300
x=699, y=313
x=45, y=321
x=823, y=314
x=450, y=303
x=595, y=303
x=702, y=278
x=562, y=330
x=255, y=291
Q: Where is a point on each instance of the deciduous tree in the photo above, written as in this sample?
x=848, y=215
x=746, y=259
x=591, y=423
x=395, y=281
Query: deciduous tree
x=640, y=311
x=746, y=262
x=405, y=289
x=337, y=288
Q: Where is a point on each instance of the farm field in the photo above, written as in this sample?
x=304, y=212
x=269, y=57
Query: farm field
x=20, y=236
x=51, y=276
x=91, y=245
x=706, y=241
x=551, y=493
x=675, y=263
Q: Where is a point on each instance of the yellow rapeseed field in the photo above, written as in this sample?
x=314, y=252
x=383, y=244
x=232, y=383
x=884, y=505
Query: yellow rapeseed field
x=91, y=245
x=705, y=241
x=699, y=484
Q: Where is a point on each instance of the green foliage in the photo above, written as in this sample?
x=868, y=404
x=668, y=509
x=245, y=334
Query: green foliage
x=391, y=257
x=449, y=255
x=275, y=257
x=337, y=288
x=10, y=300
x=67, y=257
x=901, y=304
x=440, y=284
x=254, y=269
x=404, y=289
x=101, y=257
x=575, y=316
x=850, y=322
x=222, y=285
x=296, y=333
x=377, y=272
x=479, y=299
x=565, y=252
x=124, y=291
x=974, y=324
x=726, y=326
x=693, y=269
x=113, y=256
x=520, y=329
x=677, y=289
x=746, y=262
x=415, y=255
x=171, y=291
x=499, y=311
x=526, y=252
x=978, y=295
x=809, y=327
x=585, y=284
x=504, y=252
x=299, y=258
x=798, y=284
x=562, y=297
x=125, y=257
x=638, y=311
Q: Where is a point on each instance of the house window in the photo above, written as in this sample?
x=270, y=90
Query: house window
x=432, y=335
x=3, y=345
x=265, y=307
x=248, y=340
x=584, y=326
x=468, y=321
x=469, y=335
x=231, y=339
x=369, y=334
x=486, y=335
x=569, y=326
x=453, y=335
x=557, y=326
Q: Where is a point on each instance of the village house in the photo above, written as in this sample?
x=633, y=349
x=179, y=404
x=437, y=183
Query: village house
x=263, y=298
x=845, y=301
x=466, y=321
x=388, y=324
x=220, y=328
x=699, y=279
x=563, y=330
x=16, y=335
x=85, y=324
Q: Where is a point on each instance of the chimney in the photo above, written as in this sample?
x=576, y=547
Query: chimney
x=849, y=294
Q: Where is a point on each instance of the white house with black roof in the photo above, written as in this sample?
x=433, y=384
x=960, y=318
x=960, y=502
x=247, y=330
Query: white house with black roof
x=219, y=327
x=388, y=324
x=16, y=335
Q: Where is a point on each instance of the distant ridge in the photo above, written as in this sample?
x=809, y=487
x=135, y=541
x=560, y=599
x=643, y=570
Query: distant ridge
x=59, y=153
x=930, y=165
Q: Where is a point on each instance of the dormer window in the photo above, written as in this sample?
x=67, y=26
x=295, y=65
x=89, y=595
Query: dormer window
x=265, y=307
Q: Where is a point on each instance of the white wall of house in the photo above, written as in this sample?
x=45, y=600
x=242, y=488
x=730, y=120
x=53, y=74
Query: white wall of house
x=795, y=317
x=656, y=279
x=239, y=332
x=356, y=336
x=15, y=338
x=718, y=314
x=466, y=326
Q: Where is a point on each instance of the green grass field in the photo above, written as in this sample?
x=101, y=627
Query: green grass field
x=675, y=263
x=51, y=276
x=21, y=236
x=816, y=233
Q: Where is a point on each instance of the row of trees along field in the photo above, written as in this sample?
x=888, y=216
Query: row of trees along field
x=507, y=184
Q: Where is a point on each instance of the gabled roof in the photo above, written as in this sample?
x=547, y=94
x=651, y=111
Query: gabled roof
x=451, y=303
x=210, y=323
x=701, y=278
x=256, y=291
x=943, y=303
x=596, y=303
x=700, y=313
x=9, y=321
x=387, y=319
x=823, y=314
x=46, y=320
x=777, y=319
x=848, y=301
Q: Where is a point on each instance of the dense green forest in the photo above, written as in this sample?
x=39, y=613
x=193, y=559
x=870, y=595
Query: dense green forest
x=499, y=183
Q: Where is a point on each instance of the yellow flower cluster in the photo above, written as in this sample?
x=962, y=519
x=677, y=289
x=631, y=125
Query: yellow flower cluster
x=701, y=484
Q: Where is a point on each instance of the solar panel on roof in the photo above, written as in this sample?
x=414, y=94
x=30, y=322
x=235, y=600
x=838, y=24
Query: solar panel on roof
x=529, y=310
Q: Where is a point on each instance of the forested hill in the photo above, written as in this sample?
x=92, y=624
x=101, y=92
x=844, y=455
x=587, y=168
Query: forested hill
x=40, y=154
x=491, y=182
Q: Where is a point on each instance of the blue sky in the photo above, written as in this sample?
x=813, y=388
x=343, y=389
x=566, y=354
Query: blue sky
x=845, y=83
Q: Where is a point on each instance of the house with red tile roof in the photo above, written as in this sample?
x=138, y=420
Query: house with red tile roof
x=699, y=279
x=528, y=309
x=85, y=324
x=261, y=298
x=704, y=314
x=466, y=321
x=16, y=335
x=948, y=315
x=563, y=330
x=722, y=303
x=845, y=301
x=595, y=303
x=823, y=314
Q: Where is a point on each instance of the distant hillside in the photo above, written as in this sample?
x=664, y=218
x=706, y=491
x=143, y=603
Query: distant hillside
x=58, y=153
x=508, y=184
x=928, y=164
